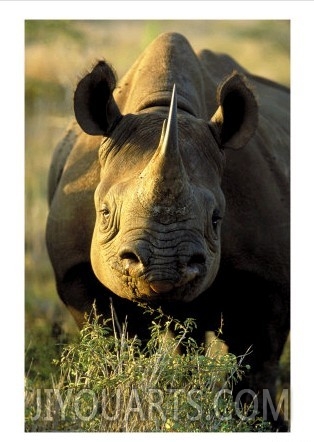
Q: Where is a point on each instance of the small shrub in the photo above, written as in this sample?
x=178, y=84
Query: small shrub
x=110, y=383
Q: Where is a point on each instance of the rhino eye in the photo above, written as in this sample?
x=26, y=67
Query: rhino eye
x=215, y=219
x=105, y=211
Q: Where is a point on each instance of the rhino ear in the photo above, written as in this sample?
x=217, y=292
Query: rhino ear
x=236, y=118
x=94, y=105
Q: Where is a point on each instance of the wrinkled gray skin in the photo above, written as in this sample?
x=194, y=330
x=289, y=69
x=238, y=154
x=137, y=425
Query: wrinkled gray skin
x=192, y=216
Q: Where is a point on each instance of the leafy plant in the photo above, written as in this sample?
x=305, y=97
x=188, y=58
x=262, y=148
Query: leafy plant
x=109, y=382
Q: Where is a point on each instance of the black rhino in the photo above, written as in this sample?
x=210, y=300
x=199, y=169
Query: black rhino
x=176, y=194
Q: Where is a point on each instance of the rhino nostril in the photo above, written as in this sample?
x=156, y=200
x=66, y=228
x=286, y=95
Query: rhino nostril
x=130, y=256
x=197, y=258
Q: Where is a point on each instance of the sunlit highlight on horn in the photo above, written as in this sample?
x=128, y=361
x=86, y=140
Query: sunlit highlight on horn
x=170, y=135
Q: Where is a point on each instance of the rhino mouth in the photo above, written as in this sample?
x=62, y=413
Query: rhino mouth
x=151, y=285
x=141, y=290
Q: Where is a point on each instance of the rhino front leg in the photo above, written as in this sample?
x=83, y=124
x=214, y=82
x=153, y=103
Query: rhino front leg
x=79, y=290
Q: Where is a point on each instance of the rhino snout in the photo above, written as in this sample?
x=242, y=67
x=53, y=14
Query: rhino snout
x=162, y=273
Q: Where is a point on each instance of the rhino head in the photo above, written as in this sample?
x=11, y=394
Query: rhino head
x=159, y=203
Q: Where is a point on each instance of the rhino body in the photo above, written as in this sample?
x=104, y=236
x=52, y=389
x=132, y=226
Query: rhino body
x=191, y=215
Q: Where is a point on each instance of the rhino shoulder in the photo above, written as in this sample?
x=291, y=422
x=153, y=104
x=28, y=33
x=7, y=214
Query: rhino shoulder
x=59, y=158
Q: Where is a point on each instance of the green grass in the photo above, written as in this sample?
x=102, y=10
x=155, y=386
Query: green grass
x=110, y=383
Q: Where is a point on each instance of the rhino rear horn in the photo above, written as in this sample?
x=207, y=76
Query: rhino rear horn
x=94, y=106
x=236, y=118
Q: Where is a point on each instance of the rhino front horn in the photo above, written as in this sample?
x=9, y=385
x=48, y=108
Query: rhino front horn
x=164, y=181
x=169, y=136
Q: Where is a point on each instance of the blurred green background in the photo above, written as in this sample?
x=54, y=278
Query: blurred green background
x=57, y=53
